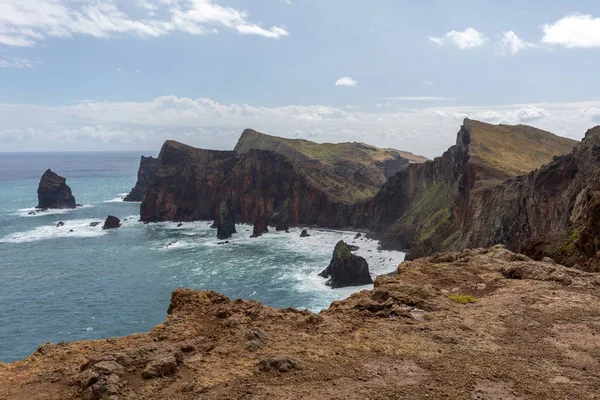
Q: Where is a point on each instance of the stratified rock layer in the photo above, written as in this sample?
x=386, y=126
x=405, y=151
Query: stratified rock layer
x=346, y=269
x=479, y=324
x=53, y=192
x=146, y=174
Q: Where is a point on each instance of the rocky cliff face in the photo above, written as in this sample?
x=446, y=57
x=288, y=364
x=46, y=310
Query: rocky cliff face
x=553, y=211
x=473, y=196
x=53, y=192
x=146, y=173
x=454, y=326
x=315, y=186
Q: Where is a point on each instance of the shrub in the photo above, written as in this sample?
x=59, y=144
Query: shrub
x=463, y=298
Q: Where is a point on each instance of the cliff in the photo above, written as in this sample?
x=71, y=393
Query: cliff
x=320, y=182
x=479, y=324
x=474, y=196
x=146, y=173
x=53, y=192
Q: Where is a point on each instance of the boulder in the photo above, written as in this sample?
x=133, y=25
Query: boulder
x=60, y=223
x=357, y=235
x=53, y=192
x=164, y=365
x=94, y=224
x=346, y=269
x=304, y=233
x=226, y=224
x=112, y=222
x=260, y=227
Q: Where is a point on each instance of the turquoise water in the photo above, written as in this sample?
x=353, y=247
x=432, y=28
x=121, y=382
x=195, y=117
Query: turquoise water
x=57, y=285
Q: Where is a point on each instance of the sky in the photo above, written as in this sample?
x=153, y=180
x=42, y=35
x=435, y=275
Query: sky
x=130, y=74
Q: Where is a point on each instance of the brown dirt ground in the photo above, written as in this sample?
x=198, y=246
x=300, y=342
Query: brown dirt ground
x=533, y=334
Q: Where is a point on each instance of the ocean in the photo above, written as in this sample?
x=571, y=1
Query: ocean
x=57, y=285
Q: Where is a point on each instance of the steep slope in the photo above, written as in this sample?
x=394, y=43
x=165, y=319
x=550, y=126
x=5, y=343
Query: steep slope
x=146, y=173
x=348, y=172
x=322, y=190
x=480, y=324
x=427, y=207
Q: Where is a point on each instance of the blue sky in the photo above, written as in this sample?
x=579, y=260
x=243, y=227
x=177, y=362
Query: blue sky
x=85, y=75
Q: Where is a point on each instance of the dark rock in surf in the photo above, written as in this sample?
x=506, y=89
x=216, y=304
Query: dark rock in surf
x=260, y=227
x=112, y=223
x=60, y=223
x=304, y=233
x=53, y=192
x=226, y=224
x=346, y=269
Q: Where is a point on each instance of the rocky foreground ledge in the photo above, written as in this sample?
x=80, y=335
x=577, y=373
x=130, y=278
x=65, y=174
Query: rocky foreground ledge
x=479, y=324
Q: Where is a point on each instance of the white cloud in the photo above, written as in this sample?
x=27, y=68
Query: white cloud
x=512, y=44
x=27, y=22
x=418, y=98
x=467, y=39
x=206, y=123
x=574, y=30
x=15, y=62
x=346, y=81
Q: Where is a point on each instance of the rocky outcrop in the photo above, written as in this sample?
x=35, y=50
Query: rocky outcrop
x=53, y=192
x=304, y=233
x=551, y=212
x=226, y=222
x=346, y=269
x=261, y=225
x=317, y=184
x=428, y=208
x=146, y=173
x=459, y=326
x=112, y=223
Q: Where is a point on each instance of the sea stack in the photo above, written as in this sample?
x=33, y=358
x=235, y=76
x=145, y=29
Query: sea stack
x=53, y=192
x=260, y=227
x=112, y=223
x=281, y=217
x=148, y=168
x=346, y=269
x=226, y=225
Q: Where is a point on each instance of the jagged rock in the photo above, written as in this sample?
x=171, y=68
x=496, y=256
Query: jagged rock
x=112, y=222
x=357, y=235
x=352, y=247
x=225, y=242
x=304, y=233
x=164, y=365
x=179, y=225
x=281, y=217
x=95, y=224
x=60, y=223
x=346, y=269
x=31, y=213
x=53, y=192
x=146, y=173
x=260, y=227
x=226, y=224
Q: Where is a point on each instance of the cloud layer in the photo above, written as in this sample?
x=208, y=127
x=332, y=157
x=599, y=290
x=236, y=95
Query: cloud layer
x=27, y=22
x=467, y=39
x=206, y=123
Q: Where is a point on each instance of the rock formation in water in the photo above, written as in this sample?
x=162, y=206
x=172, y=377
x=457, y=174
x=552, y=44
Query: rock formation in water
x=261, y=225
x=146, y=173
x=53, y=192
x=112, y=223
x=346, y=269
x=317, y=183
x=304, y=233
x=468, y=325
x=226, y=222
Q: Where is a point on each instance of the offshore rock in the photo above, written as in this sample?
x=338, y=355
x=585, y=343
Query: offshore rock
x=112, y=223
x=304, y=233
x=53, y=192
x=260, y=227
x=146, y=174
x=346, y=269
x=226, y=223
